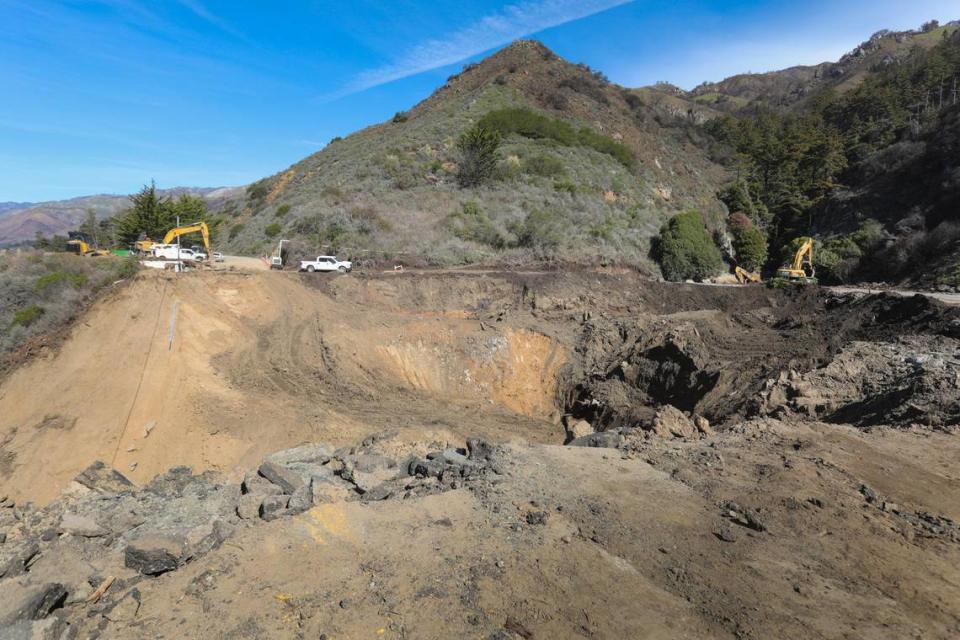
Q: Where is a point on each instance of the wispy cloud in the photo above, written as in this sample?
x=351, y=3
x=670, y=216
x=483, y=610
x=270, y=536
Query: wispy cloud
x=201, y=11
x=512, y=22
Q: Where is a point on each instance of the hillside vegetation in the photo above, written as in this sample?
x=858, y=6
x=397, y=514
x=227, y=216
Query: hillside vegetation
x=585, y=172
x=40, y=292
x=871, y=171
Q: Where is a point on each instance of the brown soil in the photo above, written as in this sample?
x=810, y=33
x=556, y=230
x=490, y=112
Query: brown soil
x=825, y=506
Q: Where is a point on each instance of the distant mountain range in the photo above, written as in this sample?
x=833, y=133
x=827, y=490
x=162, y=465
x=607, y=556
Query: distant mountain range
x=13, y=206
x=20, y=222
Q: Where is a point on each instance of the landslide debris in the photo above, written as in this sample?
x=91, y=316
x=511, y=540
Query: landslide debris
x=105, y=532
x=859, y=360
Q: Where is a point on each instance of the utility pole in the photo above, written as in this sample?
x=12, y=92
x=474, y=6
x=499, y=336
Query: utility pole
x=179, y=264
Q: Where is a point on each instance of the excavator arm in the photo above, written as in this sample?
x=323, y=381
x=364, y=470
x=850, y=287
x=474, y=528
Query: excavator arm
x=175, y=233
x=801, y=269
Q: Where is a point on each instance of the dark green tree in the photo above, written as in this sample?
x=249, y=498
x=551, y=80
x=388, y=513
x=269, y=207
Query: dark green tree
x=478, y=156
x=150, y=215
x=685, y=249
x=750, y=244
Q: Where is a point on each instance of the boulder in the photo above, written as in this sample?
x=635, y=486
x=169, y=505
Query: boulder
x=371, y=462
x=316, y=453
x=577, y=428
x=20, y=601
x=325, y=489
x=255, y=483
x=17, y=562
x=153, y=555
x=703, y=426
x=671, y=422
x=273, y=507
x=98, y=477
x=287, y=479
x=426, y=468
x=248, y=506
x=301, y=500
x=479, y=450
x=82, y=526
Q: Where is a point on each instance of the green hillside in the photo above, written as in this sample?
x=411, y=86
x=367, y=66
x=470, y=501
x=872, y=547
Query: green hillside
x=592, y=182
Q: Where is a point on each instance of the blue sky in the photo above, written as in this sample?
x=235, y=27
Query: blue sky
x=101, y=96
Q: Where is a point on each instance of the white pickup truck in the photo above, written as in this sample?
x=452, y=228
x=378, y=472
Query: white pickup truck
x=326, y=263
x=173, y=252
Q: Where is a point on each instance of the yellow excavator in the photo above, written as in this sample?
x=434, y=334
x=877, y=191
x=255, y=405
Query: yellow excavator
x=78, y=244
x=746, y=277
x=176, y=232
x=801, y=269
x=143, y=246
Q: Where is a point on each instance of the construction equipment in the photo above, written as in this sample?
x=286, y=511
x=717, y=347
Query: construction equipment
x=278, y=256
x=801, y=269
x=144, y=245
x=176, y=232
x=746, y=277
x=80, y=245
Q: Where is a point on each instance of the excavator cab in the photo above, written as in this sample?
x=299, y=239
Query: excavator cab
x=801, y=270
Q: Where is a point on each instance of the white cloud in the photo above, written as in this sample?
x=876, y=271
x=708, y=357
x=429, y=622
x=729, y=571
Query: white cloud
x=201, y=11
x=512, y=22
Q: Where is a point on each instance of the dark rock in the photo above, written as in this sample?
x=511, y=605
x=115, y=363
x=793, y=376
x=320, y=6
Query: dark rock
x=601, y=440
x=24, y=601
x=48, y=534
x=515, y=626
x=51, y=597
x=17, y=563
x=426, y=468
x=153, y=555
x=287, y=479
x=99, y=477
x=479, y=450
x=536, y=517
x=273, y=507
x=301, y=500
x=869, y=494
